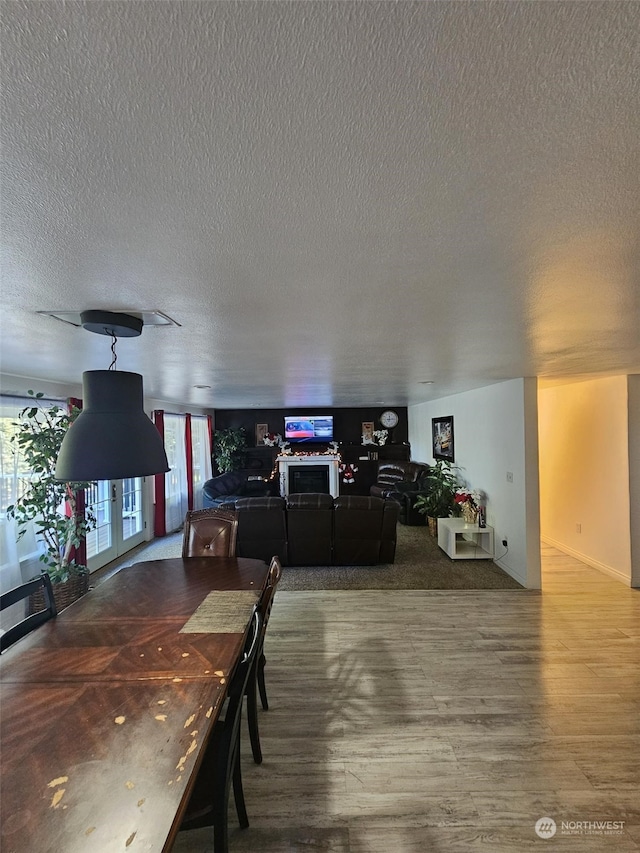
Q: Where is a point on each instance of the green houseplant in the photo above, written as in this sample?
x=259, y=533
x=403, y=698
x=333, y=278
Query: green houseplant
x=51, y=505
x=437, y=501
x=228, y=447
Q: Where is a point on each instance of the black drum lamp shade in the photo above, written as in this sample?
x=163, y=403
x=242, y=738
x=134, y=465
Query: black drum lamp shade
x=112, y=438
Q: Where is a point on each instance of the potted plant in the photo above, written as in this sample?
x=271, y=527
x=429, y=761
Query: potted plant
x=438, y=501
x=228, y=447
x=50, y=504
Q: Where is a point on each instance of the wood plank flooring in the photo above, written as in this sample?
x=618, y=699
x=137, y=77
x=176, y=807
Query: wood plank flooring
x=432, y=721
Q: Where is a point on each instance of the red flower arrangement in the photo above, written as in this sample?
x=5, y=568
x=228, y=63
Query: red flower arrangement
x=472, y=497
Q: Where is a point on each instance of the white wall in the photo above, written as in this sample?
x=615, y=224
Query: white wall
x=584, y=472
x=17, y=386
x=633, y=391
x=495, y=430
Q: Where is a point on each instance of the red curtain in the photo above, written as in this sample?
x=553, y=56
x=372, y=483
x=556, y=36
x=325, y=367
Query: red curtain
x=188, y=443
x=79, y=552
x=159, y=524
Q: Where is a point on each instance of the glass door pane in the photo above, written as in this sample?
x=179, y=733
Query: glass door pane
x=100, y=540
x=132, y=510
x=118, y=507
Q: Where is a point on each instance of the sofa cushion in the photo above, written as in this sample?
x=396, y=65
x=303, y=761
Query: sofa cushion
x=262, y=528
x=310, y=501
x=310, y=529
x=357, y=532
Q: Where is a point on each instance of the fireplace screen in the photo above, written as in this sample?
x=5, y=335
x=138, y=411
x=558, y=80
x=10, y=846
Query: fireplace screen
x=308, y=478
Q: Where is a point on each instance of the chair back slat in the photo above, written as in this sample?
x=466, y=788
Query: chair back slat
x=256, y=681
x=208, y=803
x=33, y=621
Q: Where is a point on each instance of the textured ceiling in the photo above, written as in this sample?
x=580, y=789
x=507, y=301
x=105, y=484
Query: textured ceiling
x=337, y=201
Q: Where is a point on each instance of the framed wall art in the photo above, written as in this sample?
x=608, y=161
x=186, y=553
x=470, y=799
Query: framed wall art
x=442, y=435
x=261, y=431
x=367, y=432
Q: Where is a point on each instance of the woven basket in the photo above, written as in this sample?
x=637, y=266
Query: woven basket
x=433, y=525
x=64, y=594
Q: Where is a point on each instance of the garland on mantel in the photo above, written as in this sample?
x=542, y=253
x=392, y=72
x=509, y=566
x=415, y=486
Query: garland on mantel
x=308, y=453
x=273, y=440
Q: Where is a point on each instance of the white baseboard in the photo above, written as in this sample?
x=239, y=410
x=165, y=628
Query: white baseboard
x=584, y=558
x=513, y=573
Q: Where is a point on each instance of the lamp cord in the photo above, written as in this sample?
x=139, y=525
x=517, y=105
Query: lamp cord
x=114, y=341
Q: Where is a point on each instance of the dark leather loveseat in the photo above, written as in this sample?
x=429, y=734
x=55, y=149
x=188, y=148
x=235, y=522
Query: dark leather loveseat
x=229, y=487
x=313, y=529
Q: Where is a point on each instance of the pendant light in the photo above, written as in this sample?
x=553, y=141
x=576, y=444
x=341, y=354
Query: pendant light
x=112, y=438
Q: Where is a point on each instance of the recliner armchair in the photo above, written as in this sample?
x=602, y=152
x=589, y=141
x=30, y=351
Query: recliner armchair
x=405, y=496
x=391, y=474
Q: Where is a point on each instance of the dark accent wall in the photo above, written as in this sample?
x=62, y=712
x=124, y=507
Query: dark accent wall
x=347, y=423
x=347, y=430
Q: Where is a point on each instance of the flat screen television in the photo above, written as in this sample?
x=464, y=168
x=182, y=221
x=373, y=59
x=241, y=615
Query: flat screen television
x=299, y=428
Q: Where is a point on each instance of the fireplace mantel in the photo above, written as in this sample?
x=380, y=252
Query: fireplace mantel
x=330, y=460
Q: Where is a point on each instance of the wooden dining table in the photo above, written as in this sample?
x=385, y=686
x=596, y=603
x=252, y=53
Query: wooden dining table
x=105, y=711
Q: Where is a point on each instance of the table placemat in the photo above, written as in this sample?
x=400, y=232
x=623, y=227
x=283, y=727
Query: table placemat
x=222, y=612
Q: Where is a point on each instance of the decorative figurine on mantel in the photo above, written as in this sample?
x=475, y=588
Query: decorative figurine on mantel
x=273, y=439
x=380, y=436
x=377, y=437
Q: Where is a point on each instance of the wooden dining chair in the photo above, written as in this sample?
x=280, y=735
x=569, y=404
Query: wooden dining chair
x=256, y=680
x=210, y=533
x=220, y=768
x=28, y=623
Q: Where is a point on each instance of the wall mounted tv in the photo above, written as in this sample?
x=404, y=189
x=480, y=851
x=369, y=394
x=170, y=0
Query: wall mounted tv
x=299, y=428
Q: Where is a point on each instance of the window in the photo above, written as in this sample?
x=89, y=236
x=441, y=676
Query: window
x=201, y=456
x=175, y=480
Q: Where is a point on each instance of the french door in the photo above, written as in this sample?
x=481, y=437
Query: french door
x=118, y=506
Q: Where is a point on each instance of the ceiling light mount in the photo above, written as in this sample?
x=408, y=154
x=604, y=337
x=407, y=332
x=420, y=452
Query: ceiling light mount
x=149, y=317
x=111, y=323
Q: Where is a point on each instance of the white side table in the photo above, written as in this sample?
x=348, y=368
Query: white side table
x=463, y=541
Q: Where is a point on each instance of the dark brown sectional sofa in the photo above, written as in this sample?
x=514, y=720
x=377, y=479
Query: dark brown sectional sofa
x=313, y=529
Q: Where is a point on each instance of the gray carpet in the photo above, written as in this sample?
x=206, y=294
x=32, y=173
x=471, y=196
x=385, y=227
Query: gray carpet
x=419, y=564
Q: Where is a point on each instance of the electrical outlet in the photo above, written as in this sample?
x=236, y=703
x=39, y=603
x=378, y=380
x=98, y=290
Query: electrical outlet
x=509, y=476
x=578, y=528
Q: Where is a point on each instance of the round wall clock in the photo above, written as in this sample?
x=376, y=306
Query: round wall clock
x=389, y=419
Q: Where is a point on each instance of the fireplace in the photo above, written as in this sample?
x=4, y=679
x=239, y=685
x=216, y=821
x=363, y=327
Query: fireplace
x=308, y=478
x=313, y=473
